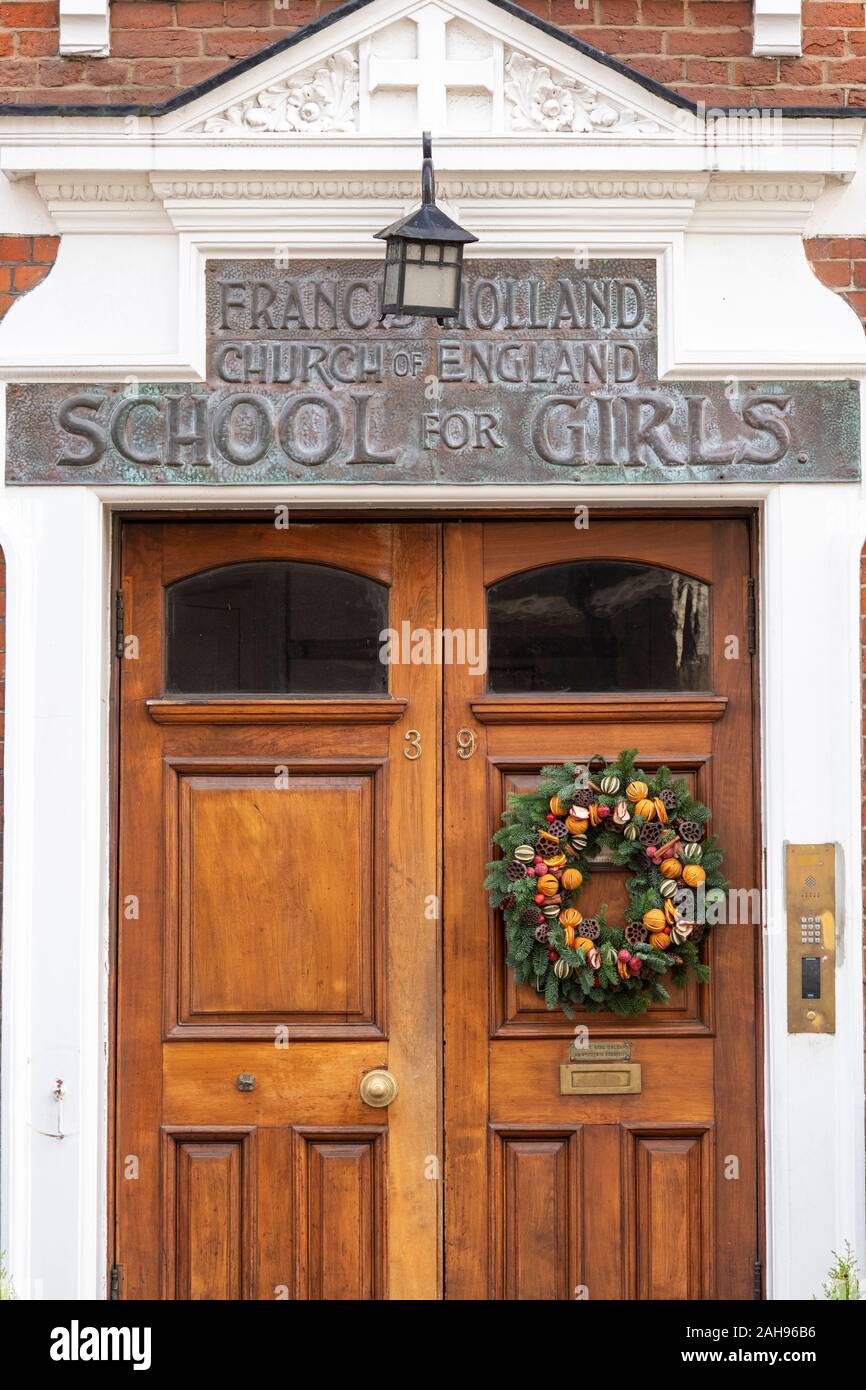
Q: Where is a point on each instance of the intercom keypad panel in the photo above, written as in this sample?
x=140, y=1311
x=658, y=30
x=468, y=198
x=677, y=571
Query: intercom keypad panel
x=810, y=872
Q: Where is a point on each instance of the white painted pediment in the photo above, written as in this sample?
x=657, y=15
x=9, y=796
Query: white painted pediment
x=455, y=67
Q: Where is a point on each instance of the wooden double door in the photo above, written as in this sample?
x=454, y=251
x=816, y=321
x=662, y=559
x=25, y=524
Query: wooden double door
x=319, y=726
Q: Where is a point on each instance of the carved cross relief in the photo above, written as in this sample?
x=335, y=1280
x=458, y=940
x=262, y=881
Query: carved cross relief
x=437, y=68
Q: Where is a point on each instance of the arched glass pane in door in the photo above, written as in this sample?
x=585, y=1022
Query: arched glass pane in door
x=598, y=625
x=275, y=627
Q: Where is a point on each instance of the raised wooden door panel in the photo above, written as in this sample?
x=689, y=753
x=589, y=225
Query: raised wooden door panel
x=263, y=841
x=517, y=1009
x=537, y=1214
x=209, y=1179
x=256, y=934
x=651, y=1237
x=668, y=1226
x=615, y=1237
x=340, y=1206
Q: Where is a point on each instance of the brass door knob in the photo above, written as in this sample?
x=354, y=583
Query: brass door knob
x=378, y=1088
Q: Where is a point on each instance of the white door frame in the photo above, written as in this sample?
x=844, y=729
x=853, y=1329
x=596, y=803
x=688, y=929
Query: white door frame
x=56, y=1005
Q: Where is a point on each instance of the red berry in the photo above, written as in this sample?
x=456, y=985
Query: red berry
x=550, y=817
x=624, y=954
x=603, y=811
x=651, y=851
x=551, y=955
x=539, y=898
x=634, y=965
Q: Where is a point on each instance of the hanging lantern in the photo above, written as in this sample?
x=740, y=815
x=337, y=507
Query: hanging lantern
x=424, y=256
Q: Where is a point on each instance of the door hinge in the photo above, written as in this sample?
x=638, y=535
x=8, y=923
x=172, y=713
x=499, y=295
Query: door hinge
x=118, y=623
x=751, y=620
x=114, y=1284
x=757, y=1289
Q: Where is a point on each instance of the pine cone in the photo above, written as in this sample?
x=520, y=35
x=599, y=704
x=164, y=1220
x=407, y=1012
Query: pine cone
x=558, y=828
x=635, y=933
x=515, y=871
x=584, y=797
x=651, y=833
x=530, y=917
x=540, y=932
x=690, y=831
x=698, y=933
x=589, y=928
x=508, y=902
x=669, y=800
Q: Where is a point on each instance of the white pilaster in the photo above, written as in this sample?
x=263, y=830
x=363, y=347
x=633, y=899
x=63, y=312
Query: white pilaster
x=56, y=884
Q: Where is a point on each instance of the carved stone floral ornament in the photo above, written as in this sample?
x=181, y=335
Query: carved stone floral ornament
x=321, y=99
x=543, y=100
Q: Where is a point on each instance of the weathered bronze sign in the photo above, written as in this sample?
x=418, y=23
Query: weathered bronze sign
x=580, y=1051
x=549, y=375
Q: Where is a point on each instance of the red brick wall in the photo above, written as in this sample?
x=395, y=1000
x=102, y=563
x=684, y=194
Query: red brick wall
x=840, y=263
x=700, y=47
x=24, y=263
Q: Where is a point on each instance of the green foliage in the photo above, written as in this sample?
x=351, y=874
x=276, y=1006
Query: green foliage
x=7, y=1290
x=594, y=982
x=842, y=1284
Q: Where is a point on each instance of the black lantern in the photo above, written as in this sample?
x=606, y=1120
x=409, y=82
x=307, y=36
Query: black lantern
x=424, y=259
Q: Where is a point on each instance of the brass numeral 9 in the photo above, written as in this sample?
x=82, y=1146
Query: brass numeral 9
x=467, y=743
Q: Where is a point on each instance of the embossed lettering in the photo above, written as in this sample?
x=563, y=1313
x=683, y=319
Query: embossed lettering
x=230, y=430
x=700, y=451
x=362, y=452
x=541, y=439
x=330, y=429
x=83, y=428
x=755, y=415
x=195, y=438
x=646, y=430
x=119, y=431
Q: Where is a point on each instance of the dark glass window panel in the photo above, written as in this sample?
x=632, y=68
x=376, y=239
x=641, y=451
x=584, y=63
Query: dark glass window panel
x=600, y=625
x=276, y=627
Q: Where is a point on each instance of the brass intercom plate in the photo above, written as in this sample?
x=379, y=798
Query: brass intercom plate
x=810, y=888
x=598, y=1079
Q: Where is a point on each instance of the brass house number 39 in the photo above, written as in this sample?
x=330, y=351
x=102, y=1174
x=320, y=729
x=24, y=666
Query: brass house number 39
x=467, y=743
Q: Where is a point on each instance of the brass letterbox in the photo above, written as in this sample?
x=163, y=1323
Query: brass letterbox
x=599, y=1078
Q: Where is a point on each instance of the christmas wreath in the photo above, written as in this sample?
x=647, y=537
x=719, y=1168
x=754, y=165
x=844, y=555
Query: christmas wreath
x=549, y=838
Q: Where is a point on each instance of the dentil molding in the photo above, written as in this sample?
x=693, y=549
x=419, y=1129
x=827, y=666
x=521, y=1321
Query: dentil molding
x=102, y=203
x=505, y=190
x=227, y=189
